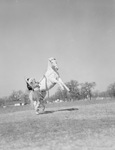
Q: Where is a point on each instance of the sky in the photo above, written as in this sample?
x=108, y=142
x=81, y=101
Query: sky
x=80, y=34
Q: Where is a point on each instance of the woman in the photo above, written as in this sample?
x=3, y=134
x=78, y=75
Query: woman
x=35, y=96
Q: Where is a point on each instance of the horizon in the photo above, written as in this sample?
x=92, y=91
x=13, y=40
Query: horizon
x=78, y=33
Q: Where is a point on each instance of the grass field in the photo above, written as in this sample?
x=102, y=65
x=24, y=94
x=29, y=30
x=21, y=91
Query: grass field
x=81, y=125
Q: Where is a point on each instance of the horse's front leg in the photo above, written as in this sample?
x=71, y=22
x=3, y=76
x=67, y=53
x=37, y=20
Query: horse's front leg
x=63, y=84
x=58, y=82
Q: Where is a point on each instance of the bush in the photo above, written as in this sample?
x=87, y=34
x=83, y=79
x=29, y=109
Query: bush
x=2, y=102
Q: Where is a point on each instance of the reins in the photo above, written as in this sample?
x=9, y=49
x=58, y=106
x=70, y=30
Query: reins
x=46, y=85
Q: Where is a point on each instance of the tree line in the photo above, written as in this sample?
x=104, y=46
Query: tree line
x=78, y=91
x=16, y=96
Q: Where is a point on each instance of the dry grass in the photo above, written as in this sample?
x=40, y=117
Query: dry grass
x=80, y=125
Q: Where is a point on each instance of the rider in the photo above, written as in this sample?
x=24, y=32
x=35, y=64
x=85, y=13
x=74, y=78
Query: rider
x=32, y=84
x=35, y=94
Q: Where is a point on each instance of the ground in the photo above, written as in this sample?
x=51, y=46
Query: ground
x=81, y=125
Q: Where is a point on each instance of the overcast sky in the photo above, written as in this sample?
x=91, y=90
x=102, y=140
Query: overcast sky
x=80, y=34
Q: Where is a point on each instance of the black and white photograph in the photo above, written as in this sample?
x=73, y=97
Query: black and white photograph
x=57, y=74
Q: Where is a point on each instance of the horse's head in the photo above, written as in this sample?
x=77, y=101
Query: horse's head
x=53, y=63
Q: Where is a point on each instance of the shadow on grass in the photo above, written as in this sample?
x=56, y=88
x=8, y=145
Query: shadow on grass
x=67, y=109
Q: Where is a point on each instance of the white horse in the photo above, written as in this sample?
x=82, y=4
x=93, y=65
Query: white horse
x=48, y=81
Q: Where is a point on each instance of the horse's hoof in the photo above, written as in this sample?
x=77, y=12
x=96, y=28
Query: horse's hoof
x=37, y=113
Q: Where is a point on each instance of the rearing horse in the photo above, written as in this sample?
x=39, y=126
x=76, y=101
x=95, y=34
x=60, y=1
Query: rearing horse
x=48, y=81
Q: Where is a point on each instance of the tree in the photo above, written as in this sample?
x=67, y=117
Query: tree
x=25, y=98
x=86, y=89
x=16, y=95
x=111, y=90
x=2, y=102
x=74, y=89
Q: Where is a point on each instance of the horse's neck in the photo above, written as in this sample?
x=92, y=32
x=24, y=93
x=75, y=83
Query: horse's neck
x=49, y=67
x=49, y=70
